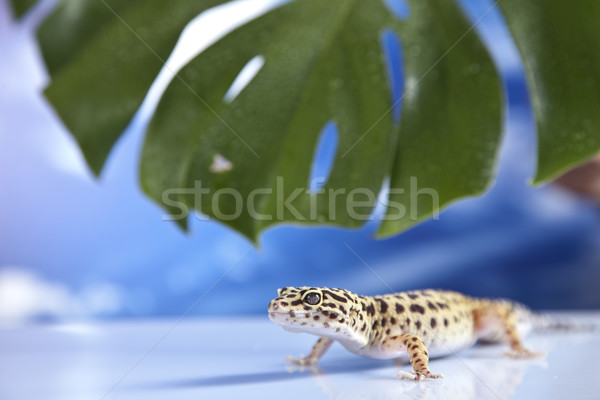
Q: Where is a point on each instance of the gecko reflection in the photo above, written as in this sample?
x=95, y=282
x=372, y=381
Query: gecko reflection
x=469, y=379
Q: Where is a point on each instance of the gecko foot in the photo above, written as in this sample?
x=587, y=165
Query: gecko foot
x=523, y=353
x=418, y=376
x=302, y=361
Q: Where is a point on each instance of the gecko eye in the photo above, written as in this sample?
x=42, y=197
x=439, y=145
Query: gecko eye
x=312, y=298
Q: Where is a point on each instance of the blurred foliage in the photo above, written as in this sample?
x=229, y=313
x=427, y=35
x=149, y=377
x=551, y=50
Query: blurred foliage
x=324, y=61
x=559, y=43
x=20, y=7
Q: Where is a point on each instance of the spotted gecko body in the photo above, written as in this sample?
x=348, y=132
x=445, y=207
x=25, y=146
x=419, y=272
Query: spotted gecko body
x=419, y=324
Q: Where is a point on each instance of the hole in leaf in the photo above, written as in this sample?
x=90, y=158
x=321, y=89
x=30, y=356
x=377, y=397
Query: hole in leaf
x=244, y=78
x=324, y=157
x=399, y=8
x=220, y=164
x=392, y=50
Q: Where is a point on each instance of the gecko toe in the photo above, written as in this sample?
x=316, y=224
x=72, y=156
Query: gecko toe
x=302, y=361
x=435, y=376
x=524, y=353
x=407, y=375
x=418, y=376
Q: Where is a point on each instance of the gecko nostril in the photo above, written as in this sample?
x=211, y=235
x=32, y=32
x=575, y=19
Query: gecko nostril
x=284, y=304
x=275, y=306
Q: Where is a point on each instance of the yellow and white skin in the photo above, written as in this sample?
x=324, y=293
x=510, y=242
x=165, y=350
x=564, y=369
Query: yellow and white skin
x=418, y=324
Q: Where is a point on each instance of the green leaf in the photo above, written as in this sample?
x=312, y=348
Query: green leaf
x=20, y=7
x=451, y=117
x=559, y=42
x=323, y=61
x=102, y=56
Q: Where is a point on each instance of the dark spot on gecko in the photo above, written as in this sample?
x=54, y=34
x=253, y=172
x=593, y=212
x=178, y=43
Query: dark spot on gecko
x=326, y=324
x=433, y=323
x=332, y=316
x=325, y=313
x=442, y=306
x=306, y=308
x=342, y=320
x=407, y=321
x=347, y=296
x=374, y=325
x=412, y=295
x=284, y=303
x=383, y=305
x=414, y=346
x=431, y=306
x=292, y=314
x=337, y=329
x=335, y=296
x=370, y=310
x=383, y=322
x=331, y=305
x=455, y=319
x=414, y=339
x=418, y=324
x=364, y=327
x=360, y=316
x=342, y=309
x=417, y=308
x=364, y=306
x=307, y=316
x=304, y=323
x=387, y=331
x=418, y=361
x=316, y=317
x=445, y=322
x=393, y=321
x=399, y=308
x=296, y=302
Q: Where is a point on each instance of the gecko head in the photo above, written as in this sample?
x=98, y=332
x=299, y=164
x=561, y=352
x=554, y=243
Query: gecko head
x=320, y=311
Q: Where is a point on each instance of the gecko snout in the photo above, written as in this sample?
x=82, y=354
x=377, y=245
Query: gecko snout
x=277, y=305
x=278, y=311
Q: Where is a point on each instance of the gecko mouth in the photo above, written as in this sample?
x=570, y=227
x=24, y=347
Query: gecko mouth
x=291, y=314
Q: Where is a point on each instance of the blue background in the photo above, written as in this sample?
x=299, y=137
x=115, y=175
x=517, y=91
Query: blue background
x=72, y=246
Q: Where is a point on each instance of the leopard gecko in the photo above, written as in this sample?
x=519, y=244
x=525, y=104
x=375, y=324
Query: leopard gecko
x=417, y=324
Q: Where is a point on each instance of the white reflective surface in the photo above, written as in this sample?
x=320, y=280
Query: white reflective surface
x=244, y=358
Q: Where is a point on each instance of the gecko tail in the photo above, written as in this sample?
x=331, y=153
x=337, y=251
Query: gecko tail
x=542, y=322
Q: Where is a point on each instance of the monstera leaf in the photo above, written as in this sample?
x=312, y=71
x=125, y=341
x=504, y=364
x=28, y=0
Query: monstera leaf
x=245, y=159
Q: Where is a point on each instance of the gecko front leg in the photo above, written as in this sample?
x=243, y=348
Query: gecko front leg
x=417, y=353
x=315, y=355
